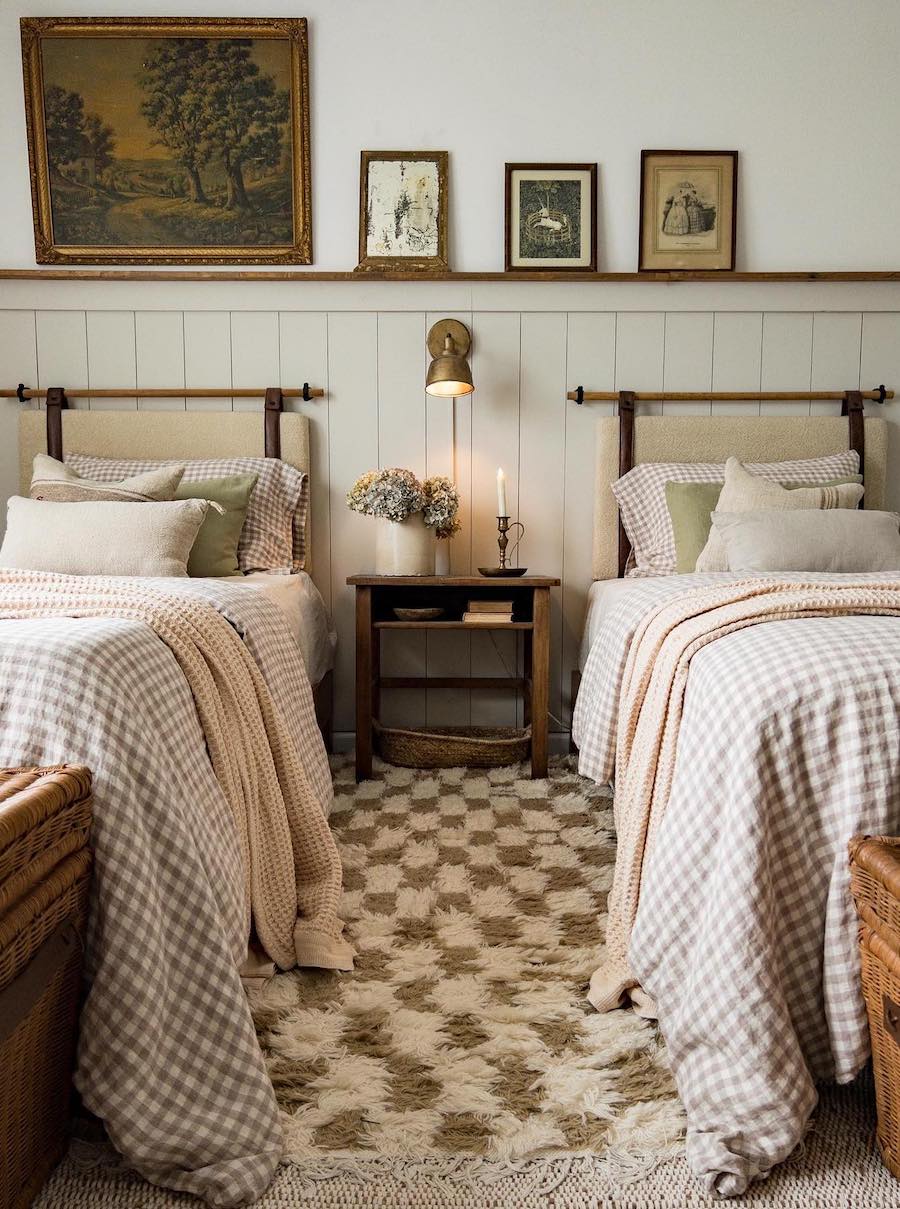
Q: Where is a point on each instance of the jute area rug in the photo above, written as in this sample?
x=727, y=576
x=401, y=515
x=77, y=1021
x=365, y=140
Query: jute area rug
x=460, y=1063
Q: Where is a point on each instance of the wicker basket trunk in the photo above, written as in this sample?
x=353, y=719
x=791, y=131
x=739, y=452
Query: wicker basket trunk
x=875, y=881
x=45, y=868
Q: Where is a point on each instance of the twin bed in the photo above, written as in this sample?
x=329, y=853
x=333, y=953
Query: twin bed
x=752, y=726
x=168, y=1055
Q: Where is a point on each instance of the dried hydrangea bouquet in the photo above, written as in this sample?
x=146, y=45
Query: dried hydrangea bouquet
x=410, y=515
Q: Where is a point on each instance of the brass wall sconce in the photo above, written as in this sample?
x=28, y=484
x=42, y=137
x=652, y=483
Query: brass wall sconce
x=449, y=375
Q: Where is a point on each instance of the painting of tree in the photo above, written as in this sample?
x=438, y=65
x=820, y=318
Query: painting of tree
x=170, y=139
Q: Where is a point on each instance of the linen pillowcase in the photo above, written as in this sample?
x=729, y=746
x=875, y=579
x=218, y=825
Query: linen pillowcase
x=274, y=533
x=641, y=496
x=101, y=538
x=746, y=492
x=215, y=552
x=53, y=480
x=843, y=540
x=690, y=507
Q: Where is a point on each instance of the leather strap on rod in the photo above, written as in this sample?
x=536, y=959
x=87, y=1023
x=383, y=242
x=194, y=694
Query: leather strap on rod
x=854, y=408
x=626, y=462
x=274, y=406
x=56, y=401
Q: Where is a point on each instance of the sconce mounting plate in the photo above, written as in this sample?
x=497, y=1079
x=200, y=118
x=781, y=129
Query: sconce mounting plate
x=452, y=327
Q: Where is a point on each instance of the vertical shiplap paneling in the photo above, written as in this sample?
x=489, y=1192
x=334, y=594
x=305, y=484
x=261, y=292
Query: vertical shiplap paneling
x=495, y=442
x=836, y=344
x=640, y=354
x=303, y=349
x=353, y=425
x=159, y=351
x=786, y=360
x=254, y=356
x=18, y=356
x=111, y=357
x=207, y=356
x=62, y=350
x=591, y=363
x=542, y=457
x=448, y=450
x=688, y=359
x=401, y=442
x=880, y=362
x=737, y=358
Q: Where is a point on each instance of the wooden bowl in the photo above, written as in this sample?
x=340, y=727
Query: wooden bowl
x=418, y=614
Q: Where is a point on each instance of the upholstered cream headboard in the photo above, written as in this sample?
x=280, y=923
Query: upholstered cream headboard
x=164, y=434
x=713, y=439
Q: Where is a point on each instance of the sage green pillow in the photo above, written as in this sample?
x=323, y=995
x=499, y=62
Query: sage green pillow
x=214, y=553
x=690, y=506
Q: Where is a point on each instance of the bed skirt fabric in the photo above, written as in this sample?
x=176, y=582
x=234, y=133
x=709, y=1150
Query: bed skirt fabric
x=209, y=810
x=758, y=728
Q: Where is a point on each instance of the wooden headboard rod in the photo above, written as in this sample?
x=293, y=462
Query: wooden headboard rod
x=580, y=395
x=852, y=406
x=57, y=398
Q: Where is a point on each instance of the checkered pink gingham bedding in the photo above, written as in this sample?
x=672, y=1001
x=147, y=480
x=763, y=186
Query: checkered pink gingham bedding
x=274, y=534
x=745, y=934
x=641, y=496
x=168, y=1056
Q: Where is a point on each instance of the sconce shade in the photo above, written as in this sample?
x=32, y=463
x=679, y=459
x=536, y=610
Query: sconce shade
x=449, y=374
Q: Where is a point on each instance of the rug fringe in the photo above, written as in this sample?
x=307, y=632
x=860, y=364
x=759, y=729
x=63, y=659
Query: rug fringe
x=544, y=1174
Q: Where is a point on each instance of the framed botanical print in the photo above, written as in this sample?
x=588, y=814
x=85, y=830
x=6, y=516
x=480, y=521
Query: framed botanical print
x=403, y=211
x=688, y=210
x=168, y=140
x=551, y=217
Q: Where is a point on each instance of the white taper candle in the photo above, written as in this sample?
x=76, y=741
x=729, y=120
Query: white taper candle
x=501, y=493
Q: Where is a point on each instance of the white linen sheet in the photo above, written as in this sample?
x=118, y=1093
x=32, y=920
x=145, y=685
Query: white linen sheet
x=745, y=933
x=304, y=610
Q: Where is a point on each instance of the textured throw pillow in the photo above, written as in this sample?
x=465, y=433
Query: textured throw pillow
x=215, y=552
x=690, y=506
x=842, y=540
x=105, y=538
x=641, y=496
x=746, y=492
x=274, y=533
x=52, y=480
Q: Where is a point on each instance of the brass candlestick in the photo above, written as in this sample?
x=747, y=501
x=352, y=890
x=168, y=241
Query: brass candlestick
x=503, y=527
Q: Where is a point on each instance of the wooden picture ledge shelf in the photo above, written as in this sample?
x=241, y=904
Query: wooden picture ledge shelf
x=105, y=274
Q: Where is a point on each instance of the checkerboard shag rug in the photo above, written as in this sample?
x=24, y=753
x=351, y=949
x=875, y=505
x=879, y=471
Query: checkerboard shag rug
x=476, y=902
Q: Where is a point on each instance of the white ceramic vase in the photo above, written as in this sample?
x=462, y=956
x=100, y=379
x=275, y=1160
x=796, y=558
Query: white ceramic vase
x=404, y=547
x=442, y=556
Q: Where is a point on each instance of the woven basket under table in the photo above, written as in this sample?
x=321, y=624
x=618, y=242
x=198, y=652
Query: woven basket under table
x=45, y=868
x=875, y=882
x=452, y=746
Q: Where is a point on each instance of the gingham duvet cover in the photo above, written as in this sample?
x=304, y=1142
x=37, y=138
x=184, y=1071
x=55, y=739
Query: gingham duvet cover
x=168, y=1056
x=745, y=934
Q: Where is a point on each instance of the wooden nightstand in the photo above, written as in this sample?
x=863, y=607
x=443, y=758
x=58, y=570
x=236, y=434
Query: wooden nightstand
x=378, y=595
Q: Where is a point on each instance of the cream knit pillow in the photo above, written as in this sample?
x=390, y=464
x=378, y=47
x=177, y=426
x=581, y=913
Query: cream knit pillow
x=52, y=480
x=746, y=492
x=103, y=538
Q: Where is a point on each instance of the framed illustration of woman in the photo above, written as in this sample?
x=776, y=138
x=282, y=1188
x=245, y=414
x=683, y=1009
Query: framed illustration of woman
x=688, y=210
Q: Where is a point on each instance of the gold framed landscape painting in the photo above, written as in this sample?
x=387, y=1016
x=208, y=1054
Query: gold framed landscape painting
x=688, y=210
x=168, y=140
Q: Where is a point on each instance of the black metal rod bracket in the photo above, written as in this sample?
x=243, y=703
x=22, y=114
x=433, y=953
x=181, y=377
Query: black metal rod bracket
x=20, y=392
x=579, y=395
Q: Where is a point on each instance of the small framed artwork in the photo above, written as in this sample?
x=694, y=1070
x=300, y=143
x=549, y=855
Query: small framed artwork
x=168, y=140
x=551, y=217
x=403, y=211
x=688, y=210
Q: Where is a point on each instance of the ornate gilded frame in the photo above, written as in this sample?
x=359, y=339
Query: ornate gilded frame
x=35, y=29
x=405, y=264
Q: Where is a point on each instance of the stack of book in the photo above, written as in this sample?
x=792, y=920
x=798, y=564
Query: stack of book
x=489, y=612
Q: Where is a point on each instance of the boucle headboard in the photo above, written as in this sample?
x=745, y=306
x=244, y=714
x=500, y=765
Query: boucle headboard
x=713, y=439
x=164, y=434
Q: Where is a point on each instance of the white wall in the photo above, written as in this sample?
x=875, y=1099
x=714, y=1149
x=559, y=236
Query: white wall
x=805, y=90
